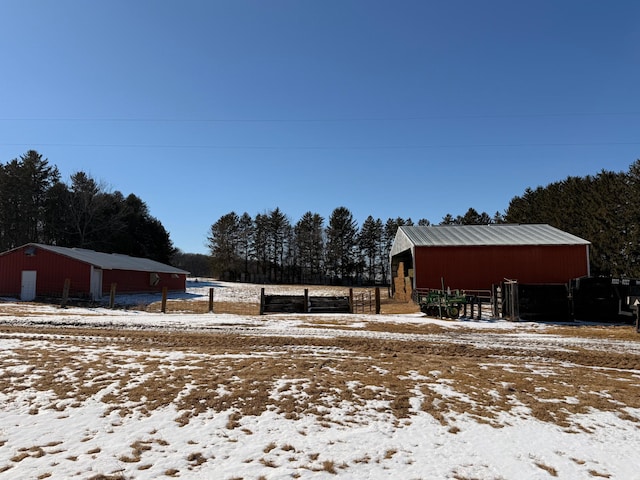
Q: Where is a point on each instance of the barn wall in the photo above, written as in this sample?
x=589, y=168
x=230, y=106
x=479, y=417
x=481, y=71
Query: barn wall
x=52, y=270
x=480, y=267
x=128, y=281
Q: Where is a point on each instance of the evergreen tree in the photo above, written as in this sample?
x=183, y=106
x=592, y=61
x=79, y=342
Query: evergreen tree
x=91, y=213
x=261, y=243
x=57, y=221
x=222, y=242
x=448, y=220
x=35, y=206
x=279, y=228
x=370, y=246
x=600, y=209
x=24, y=184
x=246, y=232
x=139, y=234
x=309, y=243
x=472, y=217
x=341, y=242
x=632, y=220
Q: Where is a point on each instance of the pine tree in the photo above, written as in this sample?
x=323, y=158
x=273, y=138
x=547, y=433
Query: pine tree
x=24, y=184
x=309, y=245
x=279, y=230
x=597, y=208
x=448, y=220
x=222, y=242
x=246, y=232
x=261, y=244
x=86, y=210
x=369, y=244
x=341, y=242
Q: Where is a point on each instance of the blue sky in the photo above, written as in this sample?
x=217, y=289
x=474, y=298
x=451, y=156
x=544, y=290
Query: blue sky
x=389, y=108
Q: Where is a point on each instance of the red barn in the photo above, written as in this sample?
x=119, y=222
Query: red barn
x=41, y=270
x=475, y=257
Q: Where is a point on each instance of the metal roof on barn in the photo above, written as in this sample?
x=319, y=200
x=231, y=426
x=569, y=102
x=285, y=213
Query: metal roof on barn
x=481, y=235
x=111, y=261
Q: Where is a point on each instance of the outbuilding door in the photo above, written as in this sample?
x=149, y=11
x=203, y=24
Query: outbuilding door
x=28, y=285
x=96, y=283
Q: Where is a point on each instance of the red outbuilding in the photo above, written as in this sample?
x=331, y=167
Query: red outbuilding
x=36, y=270
x=476, y=257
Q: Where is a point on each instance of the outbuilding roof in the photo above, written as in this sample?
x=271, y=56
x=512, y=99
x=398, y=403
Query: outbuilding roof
x=110, y=261
x=481, y=235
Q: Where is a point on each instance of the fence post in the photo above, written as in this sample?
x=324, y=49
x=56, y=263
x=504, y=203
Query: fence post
x=306, y=300
x=351, y=300
x=211, y=300
x=377, y=300
x=112, y=296
x=262, y=301
x=65, y=292
x=164, y=300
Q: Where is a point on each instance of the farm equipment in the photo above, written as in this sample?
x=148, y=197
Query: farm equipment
x=441, y=303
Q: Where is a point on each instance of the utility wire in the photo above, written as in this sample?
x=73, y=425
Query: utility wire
x=319, y=147
x=314, y=120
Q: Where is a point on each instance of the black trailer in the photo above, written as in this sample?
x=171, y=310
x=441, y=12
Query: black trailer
x=605, y=299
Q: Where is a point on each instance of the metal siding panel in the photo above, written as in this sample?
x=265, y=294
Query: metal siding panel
x=52, y=270
x=500, y=234
x=112, y=261
x=138, y=282
x=478, y=268
x=401, y=243
x=11, y=267
x=127, y=281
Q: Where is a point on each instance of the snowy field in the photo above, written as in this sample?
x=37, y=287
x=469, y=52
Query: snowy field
x=94, y=393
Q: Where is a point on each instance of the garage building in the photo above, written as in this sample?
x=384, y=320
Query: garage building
x=37, y=270
x=476, y=257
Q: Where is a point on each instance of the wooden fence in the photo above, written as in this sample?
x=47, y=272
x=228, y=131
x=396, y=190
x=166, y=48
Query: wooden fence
x=306, y=303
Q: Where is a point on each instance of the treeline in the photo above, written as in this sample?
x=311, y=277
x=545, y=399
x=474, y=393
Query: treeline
x=270, y=248
x=36, y=206
x=603, y=209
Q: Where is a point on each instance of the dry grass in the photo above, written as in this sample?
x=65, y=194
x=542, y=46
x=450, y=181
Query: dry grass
x=389, y=373
x=190, y=306
x=329, y=466
x=550, y=470
x=298, y=377
x=605, y=332
x=595, y=473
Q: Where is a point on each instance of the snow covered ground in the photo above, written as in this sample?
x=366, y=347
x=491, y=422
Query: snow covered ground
x=114, y=394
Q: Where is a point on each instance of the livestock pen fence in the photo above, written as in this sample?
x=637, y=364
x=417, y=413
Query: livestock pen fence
x=366, y=301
